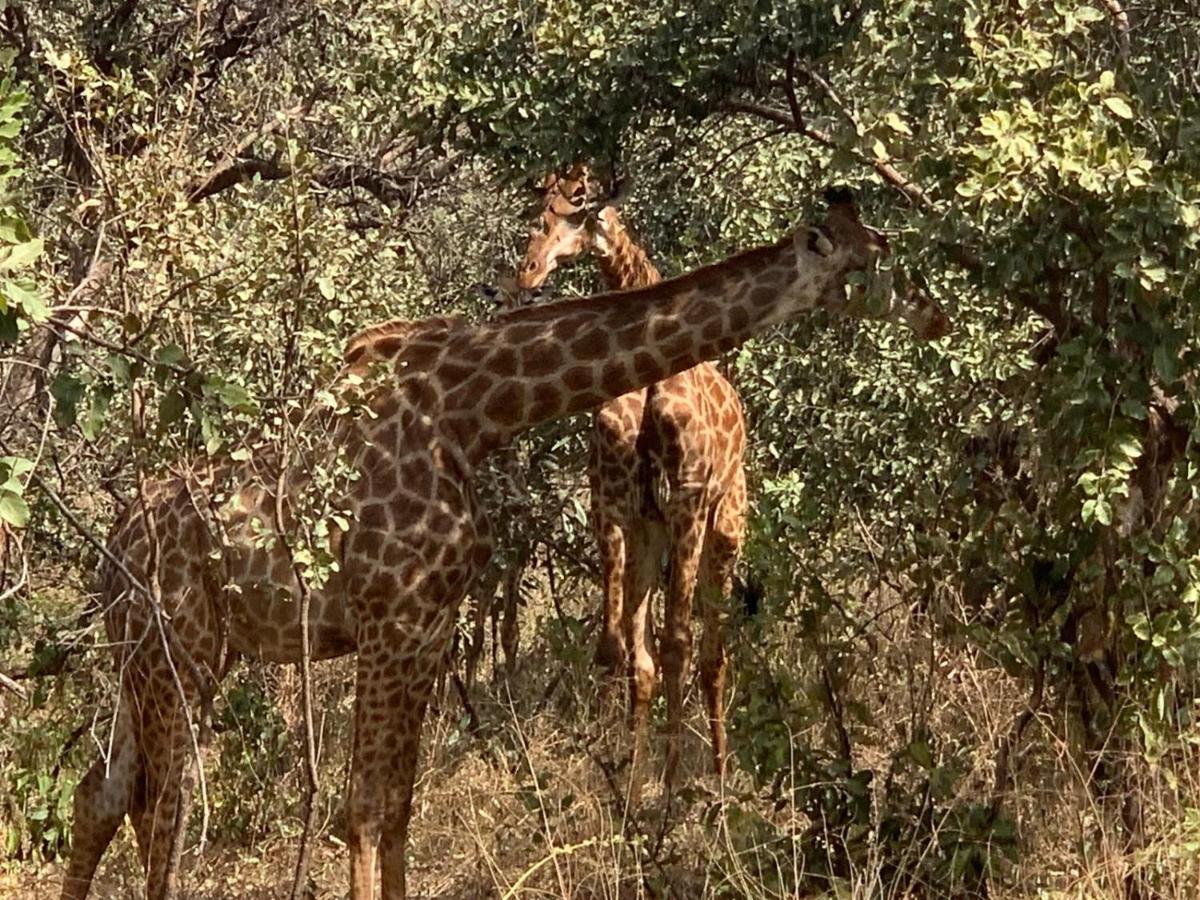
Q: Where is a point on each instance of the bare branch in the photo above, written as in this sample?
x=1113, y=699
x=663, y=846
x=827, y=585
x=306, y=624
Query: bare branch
x=886, y=170
x=9, y=684
x=1121, y=20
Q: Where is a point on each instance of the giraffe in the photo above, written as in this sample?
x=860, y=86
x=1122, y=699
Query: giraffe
x=199, y=570
x=666, y=469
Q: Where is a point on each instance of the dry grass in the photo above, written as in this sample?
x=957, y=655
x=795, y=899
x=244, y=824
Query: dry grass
x=532, y=805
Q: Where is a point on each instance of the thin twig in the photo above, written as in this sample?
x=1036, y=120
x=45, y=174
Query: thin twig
x=11, y=685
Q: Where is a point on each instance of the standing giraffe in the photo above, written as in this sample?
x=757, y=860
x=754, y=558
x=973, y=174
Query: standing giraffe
x=438, y=396
x=665, y=469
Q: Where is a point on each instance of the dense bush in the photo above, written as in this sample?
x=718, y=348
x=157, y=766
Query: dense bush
x=979, y=556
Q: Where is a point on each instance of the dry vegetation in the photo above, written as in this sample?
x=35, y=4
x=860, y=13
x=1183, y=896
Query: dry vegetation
x=530, y=802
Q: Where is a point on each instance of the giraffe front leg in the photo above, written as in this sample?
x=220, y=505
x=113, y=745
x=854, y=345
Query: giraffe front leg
x=611, y=648
x=686, y=520
x=394, y=686
x=510, y=630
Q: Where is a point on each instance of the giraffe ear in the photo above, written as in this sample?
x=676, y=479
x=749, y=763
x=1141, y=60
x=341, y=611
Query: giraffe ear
x=819, y=242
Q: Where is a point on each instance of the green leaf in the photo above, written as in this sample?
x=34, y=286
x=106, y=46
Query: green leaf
x=235, y=396
x=1118, y=107
x=13, y=509
x=896, y=123
x=21, y=255
x=26, y=297
x=66, y=390
x=93, y=422
x=9, y=329
x=171, y=407
x=1166, y=363
x=119, y=366
x=170, y=355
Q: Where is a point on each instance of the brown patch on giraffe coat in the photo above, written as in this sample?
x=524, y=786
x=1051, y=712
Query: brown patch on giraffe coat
x=523, y=333
x=700, y=311
x=577, y=378
x=593, y=345
x=676, y=348
x=383, y=481
x=456, y=371
x=546, y=400
x=663, y=328
x=374, y=515
x=386, y=405
x=368, y=541
x=541, y=359
x=506, y=405
x=739, y=318
x=503, y=362
x=646, y=365
x=614, y=378
x=419, y=356
x=388, y=345
x=763, y=296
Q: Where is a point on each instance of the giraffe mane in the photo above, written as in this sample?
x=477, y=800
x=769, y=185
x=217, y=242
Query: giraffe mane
x=636, y=297
x=400, y=330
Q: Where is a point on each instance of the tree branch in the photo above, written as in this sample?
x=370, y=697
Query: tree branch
x=8, y=683
x=1121, y=19
x=394, y=189
x=883, y=167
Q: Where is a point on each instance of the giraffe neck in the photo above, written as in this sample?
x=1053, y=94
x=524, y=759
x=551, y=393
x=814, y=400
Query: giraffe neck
x=623, y=264
x=502, y=377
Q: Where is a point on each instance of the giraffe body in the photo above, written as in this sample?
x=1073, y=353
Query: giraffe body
x=441, y=395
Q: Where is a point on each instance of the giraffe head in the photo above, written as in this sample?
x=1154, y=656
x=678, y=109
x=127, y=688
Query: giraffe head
x=570, y=213
x=507, y=294
x=851, y=252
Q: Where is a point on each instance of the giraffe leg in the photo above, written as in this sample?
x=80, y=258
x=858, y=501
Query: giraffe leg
x=641, y=574
x=483, y=595
x=721, y=554
x=687, y=519
x=611, y=649
x=393, y=689
x=510, y=633
x=170, y=768
x=109, y=790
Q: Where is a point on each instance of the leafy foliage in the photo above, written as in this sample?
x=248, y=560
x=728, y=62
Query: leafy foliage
x=1024, y=491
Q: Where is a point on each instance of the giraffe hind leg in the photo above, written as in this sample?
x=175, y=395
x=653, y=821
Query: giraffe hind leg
x=170, y=774
x=641, y=576
x=611, y=649
x=721, y=553
x=688, y=521
x=110, y=788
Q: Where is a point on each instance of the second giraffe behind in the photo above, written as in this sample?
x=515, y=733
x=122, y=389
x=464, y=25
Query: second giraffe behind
x=666, y=470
